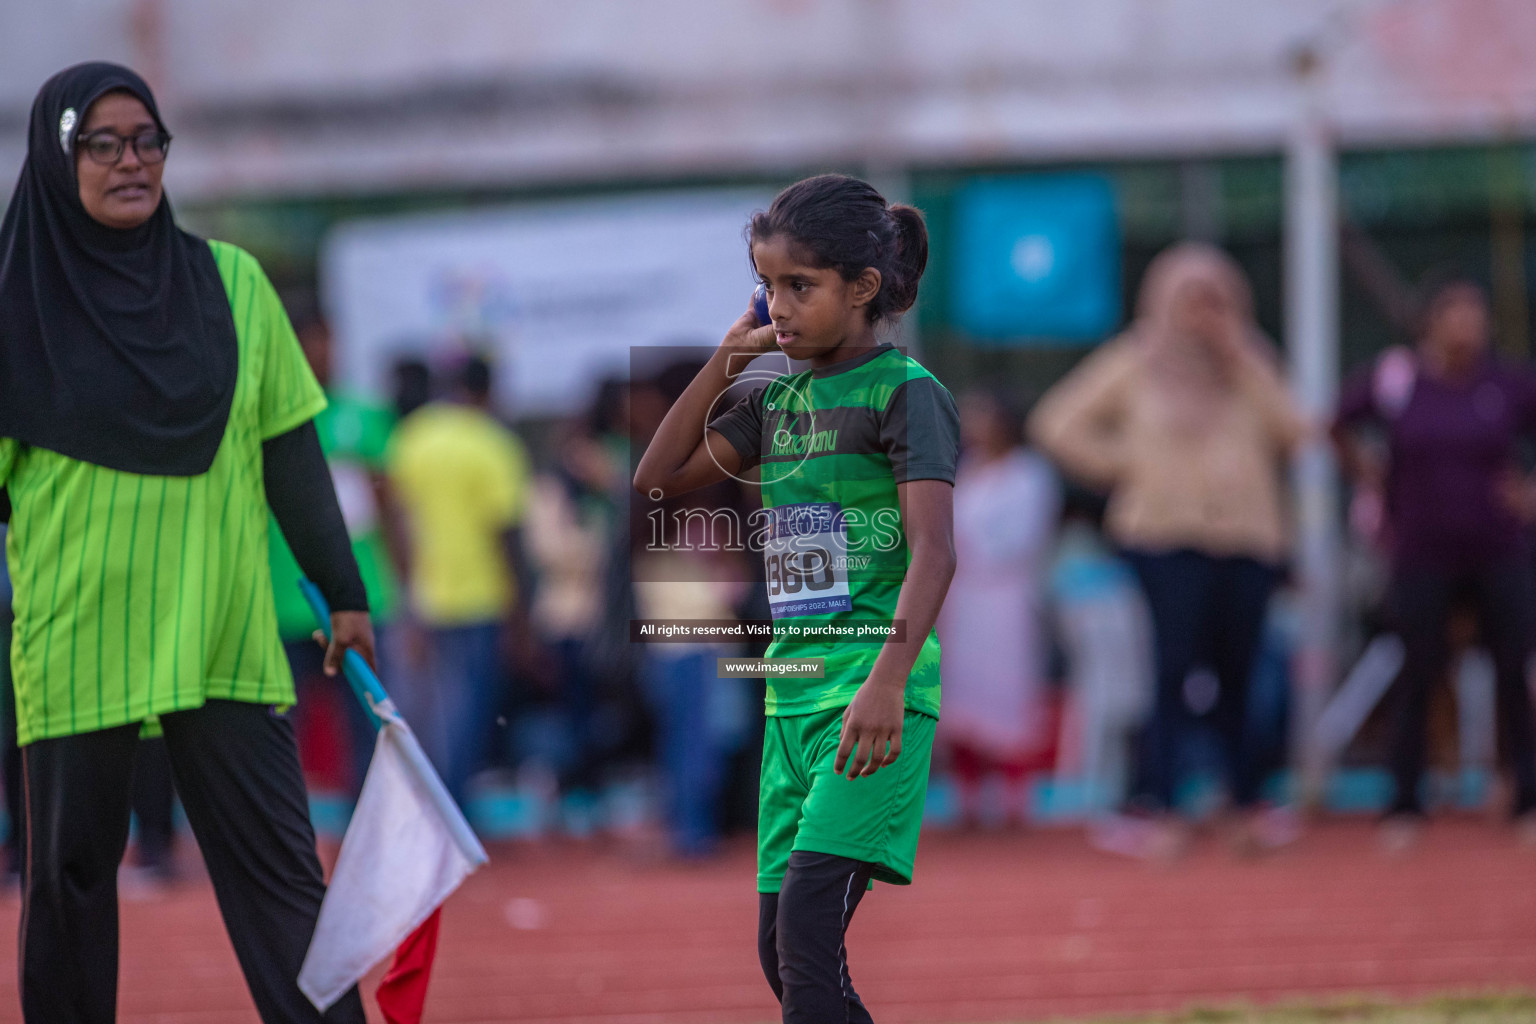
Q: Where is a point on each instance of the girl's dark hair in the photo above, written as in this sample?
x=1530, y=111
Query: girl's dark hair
x=843, y=223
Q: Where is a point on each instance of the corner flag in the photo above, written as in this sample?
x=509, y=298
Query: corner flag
x=406, y=850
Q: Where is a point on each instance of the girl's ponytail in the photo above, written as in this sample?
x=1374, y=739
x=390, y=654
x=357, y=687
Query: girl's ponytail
x=911, y=259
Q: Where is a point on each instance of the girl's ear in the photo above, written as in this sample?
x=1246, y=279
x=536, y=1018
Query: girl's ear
x=865, y=287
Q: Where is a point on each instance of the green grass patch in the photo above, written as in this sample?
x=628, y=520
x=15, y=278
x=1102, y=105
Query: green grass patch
x=1484, y=1009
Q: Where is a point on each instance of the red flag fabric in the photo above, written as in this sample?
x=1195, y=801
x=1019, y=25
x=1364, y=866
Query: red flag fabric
x=402, y=994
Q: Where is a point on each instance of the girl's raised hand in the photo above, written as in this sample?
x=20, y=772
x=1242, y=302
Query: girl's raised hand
x=746, y=336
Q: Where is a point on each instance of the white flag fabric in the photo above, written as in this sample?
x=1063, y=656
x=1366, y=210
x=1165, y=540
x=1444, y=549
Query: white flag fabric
x=406, y=849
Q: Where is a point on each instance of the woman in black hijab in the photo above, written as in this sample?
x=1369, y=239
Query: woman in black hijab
x=153, y=403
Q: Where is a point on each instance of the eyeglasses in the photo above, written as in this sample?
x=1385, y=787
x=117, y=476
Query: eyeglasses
x=105, y=147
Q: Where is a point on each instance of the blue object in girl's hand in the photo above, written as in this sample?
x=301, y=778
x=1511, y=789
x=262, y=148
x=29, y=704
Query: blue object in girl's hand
x=760, y=305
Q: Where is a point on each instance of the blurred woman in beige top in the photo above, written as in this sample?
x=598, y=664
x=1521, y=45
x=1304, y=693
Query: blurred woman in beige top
x=1185, y=421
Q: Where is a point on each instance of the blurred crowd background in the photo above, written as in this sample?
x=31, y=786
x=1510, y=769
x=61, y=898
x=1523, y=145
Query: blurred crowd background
x=1235, y=299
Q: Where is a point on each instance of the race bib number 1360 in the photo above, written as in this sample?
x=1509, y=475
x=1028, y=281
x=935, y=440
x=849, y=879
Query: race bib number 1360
x=806, y=558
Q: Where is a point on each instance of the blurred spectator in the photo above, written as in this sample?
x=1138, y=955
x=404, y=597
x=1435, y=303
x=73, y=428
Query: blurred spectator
x=412, y=385
x=683, y=570
x=1007, y=501
x=633, y=412
x=1269, y=698
x=1101, y=620
x=1455, y=511
x=701, y=718
x=354, y=435
x=463, y=485
x=1186, y=422
x=604, y=463
x=570, y=520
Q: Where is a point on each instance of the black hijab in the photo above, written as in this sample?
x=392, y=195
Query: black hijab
x=117, y=347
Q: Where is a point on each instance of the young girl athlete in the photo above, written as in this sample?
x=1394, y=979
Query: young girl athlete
x=857, y=457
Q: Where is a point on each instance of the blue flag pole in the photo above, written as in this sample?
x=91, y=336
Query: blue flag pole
x=364, y=682
x=370, y=693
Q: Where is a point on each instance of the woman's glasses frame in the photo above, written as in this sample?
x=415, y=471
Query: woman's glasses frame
x=149, y=147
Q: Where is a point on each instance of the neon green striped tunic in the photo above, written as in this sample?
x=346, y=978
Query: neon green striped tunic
x=138, y=595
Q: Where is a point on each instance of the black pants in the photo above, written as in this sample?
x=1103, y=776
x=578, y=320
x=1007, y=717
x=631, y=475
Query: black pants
x=1422, y=602
x=1206, y=611
x=10, y=753
x=800, y=938
x=237, y=770
x=154, y=804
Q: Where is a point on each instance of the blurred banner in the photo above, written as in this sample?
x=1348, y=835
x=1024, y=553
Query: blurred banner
x=556, y=294
x=291, y=97
x=1036, y=258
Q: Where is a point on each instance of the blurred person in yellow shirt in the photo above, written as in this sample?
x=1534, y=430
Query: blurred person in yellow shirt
x=463, y=484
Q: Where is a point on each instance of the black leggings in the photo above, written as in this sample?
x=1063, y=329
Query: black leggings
x=1206, y=611
x=800, y=938
x=237, y=769
x=1422, y=602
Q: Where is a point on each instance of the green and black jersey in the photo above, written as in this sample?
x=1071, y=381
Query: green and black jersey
x=832, y=444
x=139, y=595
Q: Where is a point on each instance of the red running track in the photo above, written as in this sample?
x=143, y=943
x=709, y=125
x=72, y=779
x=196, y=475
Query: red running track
x=998, y=928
